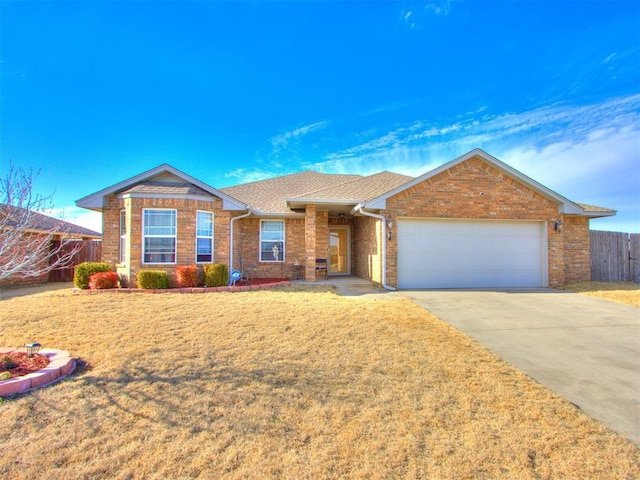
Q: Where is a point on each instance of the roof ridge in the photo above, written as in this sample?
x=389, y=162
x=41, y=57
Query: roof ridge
x=360, y=177
x=280, y=177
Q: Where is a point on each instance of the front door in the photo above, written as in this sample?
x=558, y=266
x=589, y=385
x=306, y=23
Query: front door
x=339, y=251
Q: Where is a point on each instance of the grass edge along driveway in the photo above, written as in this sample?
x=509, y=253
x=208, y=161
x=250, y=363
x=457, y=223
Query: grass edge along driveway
x=292, y=383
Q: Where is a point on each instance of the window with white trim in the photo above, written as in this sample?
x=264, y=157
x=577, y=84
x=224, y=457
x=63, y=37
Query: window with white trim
x=272, y=241
x=204, y=237
x=159, y=233
x=123, y=236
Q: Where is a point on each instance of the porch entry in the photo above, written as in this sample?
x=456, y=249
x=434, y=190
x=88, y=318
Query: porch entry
x=339, y=253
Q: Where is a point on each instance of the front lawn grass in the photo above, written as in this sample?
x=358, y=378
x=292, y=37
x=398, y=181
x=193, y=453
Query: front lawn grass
x=621, y=292
x=292, y=383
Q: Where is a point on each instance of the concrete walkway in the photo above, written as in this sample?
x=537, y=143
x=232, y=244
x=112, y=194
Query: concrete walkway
x=583, y=348
x=354, y=287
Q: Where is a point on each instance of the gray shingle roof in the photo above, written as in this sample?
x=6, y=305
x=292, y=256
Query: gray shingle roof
x=269, y=196
x=594, y=208
x=44, y=223
x=360, y=189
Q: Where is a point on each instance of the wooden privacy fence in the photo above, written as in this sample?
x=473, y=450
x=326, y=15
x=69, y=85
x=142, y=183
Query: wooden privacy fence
x=615, y=257
x=89, y=251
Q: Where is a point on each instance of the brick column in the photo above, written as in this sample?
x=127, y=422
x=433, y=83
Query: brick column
x=310, y=243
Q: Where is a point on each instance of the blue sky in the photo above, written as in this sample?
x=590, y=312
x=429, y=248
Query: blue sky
x=93, y=93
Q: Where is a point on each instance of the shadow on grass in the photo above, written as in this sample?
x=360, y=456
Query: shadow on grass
x=196, y=400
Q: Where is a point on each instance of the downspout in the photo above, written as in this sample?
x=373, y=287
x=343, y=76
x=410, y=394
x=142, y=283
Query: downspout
x=384, y=243
x=250, y=211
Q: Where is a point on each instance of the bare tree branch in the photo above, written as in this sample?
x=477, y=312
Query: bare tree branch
x=26, y=236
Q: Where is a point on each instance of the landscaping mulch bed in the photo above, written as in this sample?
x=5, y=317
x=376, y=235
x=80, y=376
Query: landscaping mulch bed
x=260, y=281
x=24, y=363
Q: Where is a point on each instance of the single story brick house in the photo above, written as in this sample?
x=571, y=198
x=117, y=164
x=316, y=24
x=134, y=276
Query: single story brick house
x=472, y=222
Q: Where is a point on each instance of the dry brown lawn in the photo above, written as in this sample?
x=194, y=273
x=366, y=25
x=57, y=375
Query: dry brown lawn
x=622, y=292
x=294, y=383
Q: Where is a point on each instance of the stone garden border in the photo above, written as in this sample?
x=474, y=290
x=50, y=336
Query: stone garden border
x=60, y=365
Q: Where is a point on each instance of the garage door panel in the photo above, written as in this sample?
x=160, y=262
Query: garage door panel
x=459, y=254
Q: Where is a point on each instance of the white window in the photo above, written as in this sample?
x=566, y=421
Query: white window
x=159, y=236
x=272, y=241
x=123, y=236
x=204, y=237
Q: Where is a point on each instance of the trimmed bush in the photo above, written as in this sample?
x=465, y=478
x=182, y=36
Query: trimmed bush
x=102, y=280
x=216, y=275
x=187, y=276
x=83, y=272
x=152, y=279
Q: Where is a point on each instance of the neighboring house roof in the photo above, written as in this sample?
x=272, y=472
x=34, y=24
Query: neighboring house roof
x=269, y=196
x=564, y=205
x=38, y=222
x=156, y=178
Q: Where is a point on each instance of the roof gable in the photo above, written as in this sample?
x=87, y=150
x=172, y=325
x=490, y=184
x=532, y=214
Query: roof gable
x=166, y=180
x=564, y=205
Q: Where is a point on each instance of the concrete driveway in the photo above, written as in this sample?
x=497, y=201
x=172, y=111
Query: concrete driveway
x=583, y=348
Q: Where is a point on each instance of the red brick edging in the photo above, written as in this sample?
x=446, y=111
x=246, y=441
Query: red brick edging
x=61, y=364
x=234, y=288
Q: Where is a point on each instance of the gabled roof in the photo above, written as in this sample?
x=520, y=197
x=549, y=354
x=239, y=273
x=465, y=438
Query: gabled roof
x=564, y=205
x=270, y=196
x=146, y=182
x=37, y=222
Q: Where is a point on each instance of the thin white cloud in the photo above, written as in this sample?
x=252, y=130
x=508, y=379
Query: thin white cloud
x=540, y=125
x=244, y=175
x=283, y=139
x=439, y=8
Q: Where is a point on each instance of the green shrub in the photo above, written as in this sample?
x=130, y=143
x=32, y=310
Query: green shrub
x=187, y=276
x=102, y=280
x=152, y=279
x=83, y=272
x=216, y=275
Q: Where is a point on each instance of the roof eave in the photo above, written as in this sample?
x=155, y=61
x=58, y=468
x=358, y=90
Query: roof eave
x=303, y=202
x=610, y=213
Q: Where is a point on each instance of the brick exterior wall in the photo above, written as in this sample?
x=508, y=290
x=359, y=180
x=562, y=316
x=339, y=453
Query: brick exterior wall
x=476, y=190
x=577, y=249
x=186, y=233
x=366, y=251
x=246, y=249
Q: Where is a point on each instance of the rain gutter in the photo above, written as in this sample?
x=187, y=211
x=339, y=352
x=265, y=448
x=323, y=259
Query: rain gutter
x=359, y=209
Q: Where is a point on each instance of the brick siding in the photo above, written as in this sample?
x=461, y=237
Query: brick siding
x=476, y=190
x=186, y=233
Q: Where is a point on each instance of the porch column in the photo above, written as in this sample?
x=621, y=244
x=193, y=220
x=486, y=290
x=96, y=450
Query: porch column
x=310, y=243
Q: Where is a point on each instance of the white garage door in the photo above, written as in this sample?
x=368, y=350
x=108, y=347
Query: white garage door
x=470, y=254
